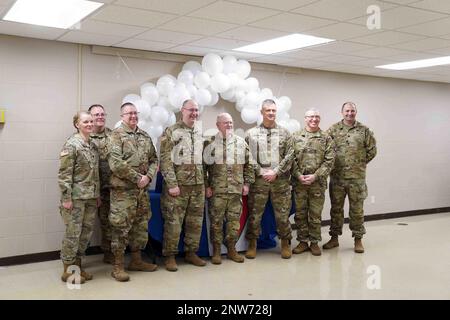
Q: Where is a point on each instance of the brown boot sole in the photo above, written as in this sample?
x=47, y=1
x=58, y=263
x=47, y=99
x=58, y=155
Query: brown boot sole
x=120, y=279
x=171, y=269
x=330, y=246
x=359, y=250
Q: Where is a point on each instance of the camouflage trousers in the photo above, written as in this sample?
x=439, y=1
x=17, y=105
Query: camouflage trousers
x=130, y=213
x=279, y=193
x=356, y=189
x=187, y=209
x=309, y=202
x=228, y=207
x=79, y=227
x=103, y=215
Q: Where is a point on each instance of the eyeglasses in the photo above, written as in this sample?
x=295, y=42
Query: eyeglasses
x=130, y=114
x=316, y=117
x=192, y=110
x=100, y=115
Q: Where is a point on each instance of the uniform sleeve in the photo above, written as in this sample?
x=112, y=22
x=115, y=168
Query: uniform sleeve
x=249, y=171
x=152, y=161
x=206, y=166
x=118, y=166
x=286, y=163
x=66, y=169
x=253, y=159
x=167, y=168
x=328, y=161
x=371, y=146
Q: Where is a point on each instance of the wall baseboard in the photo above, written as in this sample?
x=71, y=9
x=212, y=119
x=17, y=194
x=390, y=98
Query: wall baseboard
x=54, y=255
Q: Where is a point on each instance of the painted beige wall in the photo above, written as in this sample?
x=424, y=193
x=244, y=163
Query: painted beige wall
x=39, y=87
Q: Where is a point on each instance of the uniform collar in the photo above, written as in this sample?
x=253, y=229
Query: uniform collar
x=128, y=129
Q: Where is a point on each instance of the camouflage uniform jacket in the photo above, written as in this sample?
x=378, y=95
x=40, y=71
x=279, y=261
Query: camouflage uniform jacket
x=228, y=174
x=78, y=175
x=181, y=155
x=314, y=154
x=271, y=148
x=131, y=155
x=355, y=148
x=100, y=140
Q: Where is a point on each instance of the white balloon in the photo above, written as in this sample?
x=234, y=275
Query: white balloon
x=283, y=124
x=229, y=64
x=260, y=119
x=192, y=90
x=239, y=94
x=143, y=108
x=159, y=115
x=228, y=95
x=186, y=77
x=203, y=97
x=249, y=115
x=155, y=131
x=149, y=93
x=171, y=121
x=131, y=98
x=286, y=102
x=252, y=98
x=243, y=69
x=220, y=83
x=234, y=79
x=266, y=93
x=282, y=116
x=202, y=80
x=212, y=64
x=165, y=84
x=118, y=123
x=252, y=84
x=201, y=109
x=193, y=66
x=214, y=98
x=293, y=125
x=178, y=95
x=163, y=101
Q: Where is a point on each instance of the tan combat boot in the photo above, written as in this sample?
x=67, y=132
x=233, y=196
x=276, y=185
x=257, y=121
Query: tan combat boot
x=301, y=247
x=232, y=254
x=332, y=243
x=171, y=264
x=216, y=258
x=118, y=272
x=315, y=249
x=359, y=246
x=286, y=252
x=251, y=250
x=83, y=273
x=108, y=257
x=136, y=263
x=193, y=258
x=65, y=276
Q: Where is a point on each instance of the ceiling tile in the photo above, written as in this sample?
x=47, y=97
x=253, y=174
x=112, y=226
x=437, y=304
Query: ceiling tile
x=133, y=17
x=433, y=5
x=424, y=44
x=232, y=12
x=431, y=29
x=284, y=5
x=170, y=6
x=28, y=30
x=144, y=45
x=6, y=2
x=441, y=51
x=219, y=43
x=90, y=38
x=272, y=59
x=191, y=50
x=307, y=64
x=378, y=52
x=290, y=22
x=411, y=56
x=197, y=26
x=94, y=26
x=341, y=47
x=251, y=34
x=305, y=54
x=341, y=31
x=372, y=63
x=400, y=17
x=340, y=58
x=386, y=38
x=168, y=36
x=340, y=10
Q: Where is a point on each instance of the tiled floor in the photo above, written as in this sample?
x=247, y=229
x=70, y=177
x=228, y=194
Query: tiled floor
x=412, y=261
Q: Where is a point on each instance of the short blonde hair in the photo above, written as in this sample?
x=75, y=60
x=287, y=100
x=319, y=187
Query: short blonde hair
x=77, y=116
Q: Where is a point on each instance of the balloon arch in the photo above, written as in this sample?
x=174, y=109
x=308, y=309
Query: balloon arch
x=205, y=82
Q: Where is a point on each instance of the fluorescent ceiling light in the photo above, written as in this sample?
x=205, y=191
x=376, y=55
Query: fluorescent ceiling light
x=281, y=44
x=416, y=64
x=51, y=13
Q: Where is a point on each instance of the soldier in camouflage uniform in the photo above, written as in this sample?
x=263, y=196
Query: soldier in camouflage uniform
x=99, y=136
x=355, y=148
x=183, y=194
x=133, y=161
x=272, y=149
x=229, y=175
x=78, y=180
x=314, y=158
